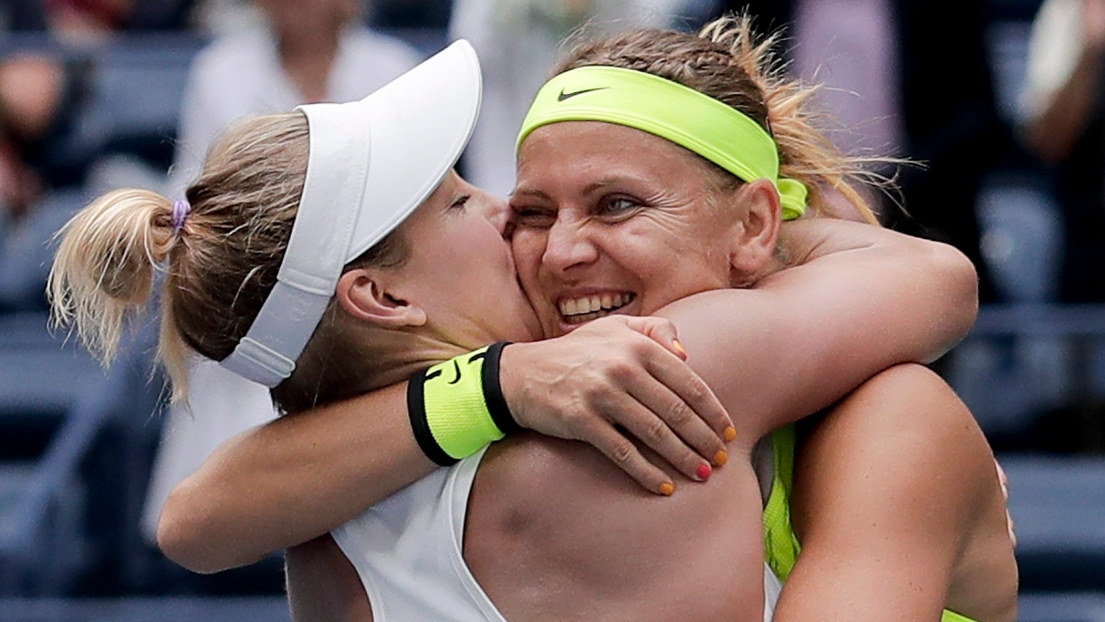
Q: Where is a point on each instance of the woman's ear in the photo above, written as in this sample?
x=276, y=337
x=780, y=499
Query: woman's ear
x=757, y=230
x=365, y=294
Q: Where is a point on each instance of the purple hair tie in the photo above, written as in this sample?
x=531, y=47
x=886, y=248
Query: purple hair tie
x=180, y=213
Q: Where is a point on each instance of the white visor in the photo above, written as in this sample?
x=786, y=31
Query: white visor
x=371, y=163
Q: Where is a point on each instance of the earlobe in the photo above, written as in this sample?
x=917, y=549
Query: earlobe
x=757, y=232
x=364, y=294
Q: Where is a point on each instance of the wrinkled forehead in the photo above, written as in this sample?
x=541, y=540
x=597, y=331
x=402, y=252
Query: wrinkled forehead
x=558, y=155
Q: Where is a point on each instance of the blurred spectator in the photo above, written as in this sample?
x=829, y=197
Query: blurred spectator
x=898, y=89
x=308, y=52
x=300, y=55
x=90, y=21
x=1065, y=125
x=40, y=172
x=517, y=41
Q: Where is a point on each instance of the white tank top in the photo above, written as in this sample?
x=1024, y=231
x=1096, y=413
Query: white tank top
x=407, y=551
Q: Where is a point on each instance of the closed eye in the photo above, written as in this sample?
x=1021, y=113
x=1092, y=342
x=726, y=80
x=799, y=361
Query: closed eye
x=533, y=217
x=460, y=202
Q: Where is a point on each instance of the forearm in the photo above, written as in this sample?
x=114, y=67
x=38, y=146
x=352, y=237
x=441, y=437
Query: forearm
x=301, y=476
x=863, y=299
x=290, y=481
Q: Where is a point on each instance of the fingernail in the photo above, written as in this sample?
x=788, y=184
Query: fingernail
x=704, y=471
x=730, y=433
x=721, y=457
x=678, y=345
x=667, y=489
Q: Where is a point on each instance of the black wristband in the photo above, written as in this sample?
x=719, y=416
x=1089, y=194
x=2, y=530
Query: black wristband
x=493, y=390
x=416, y=410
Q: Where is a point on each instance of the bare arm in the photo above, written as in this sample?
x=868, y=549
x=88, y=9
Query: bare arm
x=899, y=510
x=301, y=476
x=244, y=501
x=861, y=299
x=296, y=479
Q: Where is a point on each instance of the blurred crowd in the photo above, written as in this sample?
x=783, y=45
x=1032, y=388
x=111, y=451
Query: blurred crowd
x=889, y=88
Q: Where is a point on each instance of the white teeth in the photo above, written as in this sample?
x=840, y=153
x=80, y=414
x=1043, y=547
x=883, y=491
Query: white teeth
x=589, y=305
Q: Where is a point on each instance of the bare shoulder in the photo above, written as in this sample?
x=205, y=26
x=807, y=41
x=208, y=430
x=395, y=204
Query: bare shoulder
x=554, y=531
x=900, y=472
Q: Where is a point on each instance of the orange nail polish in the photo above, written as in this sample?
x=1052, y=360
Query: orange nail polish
x=730, y=433
x=667, y=489
x=721, y=457
x=704, y=471
x=678, y=345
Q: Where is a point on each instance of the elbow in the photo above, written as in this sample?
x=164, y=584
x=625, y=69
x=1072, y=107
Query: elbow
x=180, y=534
x=958, y=283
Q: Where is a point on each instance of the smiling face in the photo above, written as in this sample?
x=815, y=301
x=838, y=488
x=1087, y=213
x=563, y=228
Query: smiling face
x=460, y=269
x=610, y=219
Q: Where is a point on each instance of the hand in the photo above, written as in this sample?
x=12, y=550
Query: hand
x=1003, y=479
x=1093, y=23
x=620, y=375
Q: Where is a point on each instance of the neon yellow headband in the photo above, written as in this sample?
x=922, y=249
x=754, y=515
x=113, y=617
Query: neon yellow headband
x=686, y=117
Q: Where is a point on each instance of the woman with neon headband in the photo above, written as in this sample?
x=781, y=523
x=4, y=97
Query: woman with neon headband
x=860, y=285
x=605, y=210
x=566, y=239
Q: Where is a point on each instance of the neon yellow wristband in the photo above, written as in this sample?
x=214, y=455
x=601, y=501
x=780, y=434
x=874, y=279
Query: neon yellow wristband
x=457, y=408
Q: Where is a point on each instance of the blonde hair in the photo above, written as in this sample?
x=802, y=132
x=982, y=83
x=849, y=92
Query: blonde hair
x=728, y=62
x=216, y=269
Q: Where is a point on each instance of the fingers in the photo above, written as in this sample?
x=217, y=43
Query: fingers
x=690, y=395
x=665, y=436
x=1003, y=479
x=625, y=455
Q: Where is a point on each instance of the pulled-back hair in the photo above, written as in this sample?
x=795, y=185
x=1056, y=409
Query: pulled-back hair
x=728, y=62
x=218, y=267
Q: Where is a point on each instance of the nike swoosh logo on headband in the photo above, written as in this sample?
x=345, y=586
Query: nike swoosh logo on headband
x=564, y=95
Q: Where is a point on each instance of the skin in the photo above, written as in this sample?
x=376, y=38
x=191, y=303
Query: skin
x=555, y=533
x=1053, y=133
x=921, y=487
x=620, y=372
x=593, y=217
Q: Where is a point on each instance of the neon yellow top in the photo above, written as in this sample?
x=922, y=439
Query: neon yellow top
x=781, y=545
x=686, y=117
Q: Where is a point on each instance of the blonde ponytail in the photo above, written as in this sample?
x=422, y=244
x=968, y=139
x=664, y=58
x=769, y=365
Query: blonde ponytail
x=106, y=264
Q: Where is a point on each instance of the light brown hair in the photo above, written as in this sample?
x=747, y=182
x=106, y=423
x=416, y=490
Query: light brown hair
x=728, y=62
x=217, y=268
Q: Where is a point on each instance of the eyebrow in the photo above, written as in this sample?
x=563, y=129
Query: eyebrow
x=589, y=189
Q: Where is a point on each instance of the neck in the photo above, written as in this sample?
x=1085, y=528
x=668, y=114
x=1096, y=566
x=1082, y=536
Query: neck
x=402, y=354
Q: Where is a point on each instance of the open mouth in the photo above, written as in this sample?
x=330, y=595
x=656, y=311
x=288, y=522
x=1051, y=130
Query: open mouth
x=587, y=308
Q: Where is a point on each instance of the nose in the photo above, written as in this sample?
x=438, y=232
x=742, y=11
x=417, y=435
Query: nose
x=568, y=245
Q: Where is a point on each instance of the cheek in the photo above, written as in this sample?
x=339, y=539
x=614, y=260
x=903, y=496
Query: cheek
x=528, y=247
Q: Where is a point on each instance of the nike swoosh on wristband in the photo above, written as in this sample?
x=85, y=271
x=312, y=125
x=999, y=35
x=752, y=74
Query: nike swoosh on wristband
x=564, y=95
